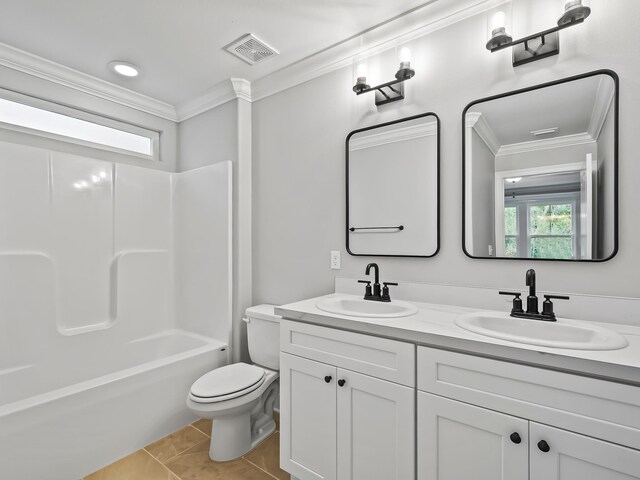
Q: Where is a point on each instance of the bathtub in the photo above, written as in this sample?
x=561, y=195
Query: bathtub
x=78, y=411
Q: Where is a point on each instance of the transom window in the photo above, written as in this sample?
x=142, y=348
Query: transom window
x=74, y=126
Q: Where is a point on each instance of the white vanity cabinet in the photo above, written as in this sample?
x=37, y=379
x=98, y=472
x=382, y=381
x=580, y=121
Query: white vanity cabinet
x=469, y=409
x=347, y=405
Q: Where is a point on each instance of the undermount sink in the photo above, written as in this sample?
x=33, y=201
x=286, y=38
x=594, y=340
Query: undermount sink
x=357, y=307
x=569, y=334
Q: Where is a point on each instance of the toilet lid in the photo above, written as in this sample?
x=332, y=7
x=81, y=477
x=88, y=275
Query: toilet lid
x=230, y=379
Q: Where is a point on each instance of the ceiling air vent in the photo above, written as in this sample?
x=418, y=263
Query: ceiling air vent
x=251, y=49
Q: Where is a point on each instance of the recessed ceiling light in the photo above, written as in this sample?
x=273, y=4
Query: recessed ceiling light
x=513, y=180
x=125, y=69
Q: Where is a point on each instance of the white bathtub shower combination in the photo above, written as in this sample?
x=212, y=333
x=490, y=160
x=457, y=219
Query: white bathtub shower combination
x=114, y=297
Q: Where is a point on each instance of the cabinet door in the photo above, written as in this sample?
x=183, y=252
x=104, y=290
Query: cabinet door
x=457, y=441
x=376, y=429
x=308, y=418
x=575, y=457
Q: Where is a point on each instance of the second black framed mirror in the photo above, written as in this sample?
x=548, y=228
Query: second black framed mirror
x=540, y=171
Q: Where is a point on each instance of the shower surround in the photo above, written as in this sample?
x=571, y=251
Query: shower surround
x=115, y=295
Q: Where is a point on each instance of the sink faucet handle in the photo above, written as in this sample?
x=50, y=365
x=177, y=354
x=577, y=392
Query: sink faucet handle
x=385, y=297
x=517, y=301
x=547, y=305
x=557, y=297
x=367, y=291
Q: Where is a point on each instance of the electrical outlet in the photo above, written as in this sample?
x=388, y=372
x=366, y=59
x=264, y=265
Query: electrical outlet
x=335, y=260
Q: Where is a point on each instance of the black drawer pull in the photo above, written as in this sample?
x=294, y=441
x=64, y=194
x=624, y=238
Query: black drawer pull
x=515, y=438
x=543, y=446
x=341, y=382
x=328, y=378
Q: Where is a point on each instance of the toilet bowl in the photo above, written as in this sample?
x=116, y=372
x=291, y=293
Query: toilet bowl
x=240, y=397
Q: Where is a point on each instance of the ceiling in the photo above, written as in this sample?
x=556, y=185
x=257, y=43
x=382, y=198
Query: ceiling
x=178, y=44
x=568, y=106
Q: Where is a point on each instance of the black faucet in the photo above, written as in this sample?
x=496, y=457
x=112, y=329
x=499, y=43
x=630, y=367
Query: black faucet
x=532, y=301
x=375, y=294
x=376, y=282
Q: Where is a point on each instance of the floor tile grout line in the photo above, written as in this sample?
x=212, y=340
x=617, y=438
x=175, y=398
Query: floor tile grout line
x=163, y=465
x=207, y=434
x=258, y=467
x=182, y=451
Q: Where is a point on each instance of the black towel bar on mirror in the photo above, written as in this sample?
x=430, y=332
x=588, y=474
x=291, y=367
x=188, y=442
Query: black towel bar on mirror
x=399, y=228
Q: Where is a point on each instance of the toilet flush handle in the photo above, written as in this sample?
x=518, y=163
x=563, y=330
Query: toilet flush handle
x=246, y=320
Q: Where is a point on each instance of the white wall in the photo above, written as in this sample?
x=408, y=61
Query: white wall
x=483, y=198
x=208, y=138
x=298, y=160
x=606, y=185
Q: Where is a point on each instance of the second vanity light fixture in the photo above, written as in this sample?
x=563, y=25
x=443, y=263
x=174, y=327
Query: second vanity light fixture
x=539, y=45
x=391, y=91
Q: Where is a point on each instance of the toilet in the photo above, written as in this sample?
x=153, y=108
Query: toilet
x=240, y=397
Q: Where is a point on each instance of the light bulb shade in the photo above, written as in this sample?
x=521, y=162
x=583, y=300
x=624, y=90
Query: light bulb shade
x=405, y=72
x=574, y=11
x=499, y=38
x=361, y=84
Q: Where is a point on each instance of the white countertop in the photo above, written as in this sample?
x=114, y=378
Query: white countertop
x=434, y=326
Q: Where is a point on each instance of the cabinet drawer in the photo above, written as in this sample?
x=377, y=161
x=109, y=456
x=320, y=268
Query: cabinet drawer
x=599, y=408
x=379, y=357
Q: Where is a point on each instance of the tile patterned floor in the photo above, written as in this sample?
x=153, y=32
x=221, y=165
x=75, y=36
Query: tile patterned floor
x=184, y=455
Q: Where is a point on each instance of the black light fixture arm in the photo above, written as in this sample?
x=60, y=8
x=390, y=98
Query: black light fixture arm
x=380, y=87
x=540, y=35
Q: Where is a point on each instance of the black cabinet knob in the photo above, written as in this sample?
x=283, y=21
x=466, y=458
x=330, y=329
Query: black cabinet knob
x=543, y=446
x=328, y=378
x=341, y=382
x=515, y=438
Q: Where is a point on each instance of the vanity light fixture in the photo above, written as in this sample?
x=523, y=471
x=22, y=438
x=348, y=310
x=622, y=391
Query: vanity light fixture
x=539, y=45
x=124, y=68
x=391, y=91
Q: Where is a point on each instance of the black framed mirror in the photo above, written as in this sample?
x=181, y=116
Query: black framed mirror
x=540, y=171
x=393, y=188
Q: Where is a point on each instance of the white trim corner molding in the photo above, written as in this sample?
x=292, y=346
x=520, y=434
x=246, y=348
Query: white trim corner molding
x=36, y=66
x=221, y=93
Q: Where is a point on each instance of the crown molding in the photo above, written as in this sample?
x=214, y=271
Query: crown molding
x=30, y=64
x=547, y=143
x=437, y=14
x=476, y=121
x=601, y=107
x=393, y=136
x=221, y=93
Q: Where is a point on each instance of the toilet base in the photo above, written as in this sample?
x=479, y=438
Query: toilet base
x=238, y=429
x=234, y=436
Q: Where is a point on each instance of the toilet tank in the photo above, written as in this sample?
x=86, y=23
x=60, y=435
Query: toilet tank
x=263, y=335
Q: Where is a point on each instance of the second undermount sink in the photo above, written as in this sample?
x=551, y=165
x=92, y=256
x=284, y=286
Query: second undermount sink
x=358, y=307
x=569, y=334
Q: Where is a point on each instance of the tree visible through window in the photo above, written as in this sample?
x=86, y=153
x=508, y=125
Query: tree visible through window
x=542, y=226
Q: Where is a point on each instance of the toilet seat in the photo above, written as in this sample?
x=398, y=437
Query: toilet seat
x=224, y=383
